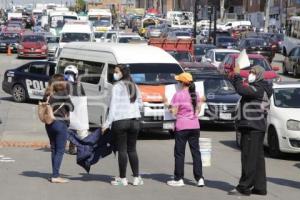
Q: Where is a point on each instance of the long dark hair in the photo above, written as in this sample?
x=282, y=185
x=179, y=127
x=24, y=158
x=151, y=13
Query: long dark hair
x=192, y=91
x=126, y=78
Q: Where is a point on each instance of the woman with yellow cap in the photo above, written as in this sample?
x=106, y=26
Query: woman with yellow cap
x=185, y=105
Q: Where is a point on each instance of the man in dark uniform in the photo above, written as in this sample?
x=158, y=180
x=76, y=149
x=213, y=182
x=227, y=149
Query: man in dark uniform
x=252, y=124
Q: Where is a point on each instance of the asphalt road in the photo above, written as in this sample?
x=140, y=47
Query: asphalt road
x=24, y=171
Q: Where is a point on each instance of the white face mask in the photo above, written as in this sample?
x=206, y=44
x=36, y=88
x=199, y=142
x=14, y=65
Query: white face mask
x=69, y=78
x=251, y=78
x=117, y=76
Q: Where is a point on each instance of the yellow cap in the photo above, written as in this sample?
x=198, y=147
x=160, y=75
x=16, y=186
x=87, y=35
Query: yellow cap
x=184, y=77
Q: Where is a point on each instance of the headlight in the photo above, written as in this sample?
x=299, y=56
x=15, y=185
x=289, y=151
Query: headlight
x=293, y=125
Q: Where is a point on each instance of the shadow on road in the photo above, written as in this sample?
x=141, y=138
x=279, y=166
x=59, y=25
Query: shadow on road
x=220, y=185
x=154, y=135
x=230, y=143
x=34, y=174
x=297, y=165
x=93, y=177
x=210, y=127
x=284, y=182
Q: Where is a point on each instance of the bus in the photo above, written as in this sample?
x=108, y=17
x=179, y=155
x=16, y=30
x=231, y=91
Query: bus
x=57, y=20
x=292, y=37
x=101, y=19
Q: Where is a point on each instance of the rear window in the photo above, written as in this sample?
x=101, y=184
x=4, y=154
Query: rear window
x=33, y=38
x=226, y=40
x=259, y=61
x=255, y=43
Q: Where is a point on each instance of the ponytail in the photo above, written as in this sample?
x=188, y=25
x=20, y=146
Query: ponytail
x=192, y=91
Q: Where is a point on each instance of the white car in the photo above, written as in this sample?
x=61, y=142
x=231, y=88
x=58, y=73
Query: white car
x=283, y=122
x=127, y=38
x=216, y=56
x=108, y=36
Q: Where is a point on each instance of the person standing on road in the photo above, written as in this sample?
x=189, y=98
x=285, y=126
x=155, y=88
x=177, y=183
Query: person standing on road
x=185, y=105
x=75, y=89
x=252, y=125
x=58, y=98
x=123, y=118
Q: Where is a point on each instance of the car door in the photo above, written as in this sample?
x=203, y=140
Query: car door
x=36, y=79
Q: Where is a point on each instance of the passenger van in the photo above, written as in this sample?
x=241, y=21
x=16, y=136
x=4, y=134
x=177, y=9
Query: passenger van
x=151, y=67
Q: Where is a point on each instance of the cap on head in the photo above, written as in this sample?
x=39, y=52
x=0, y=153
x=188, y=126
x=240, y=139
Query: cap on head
x=259, y=71
x=71, y=69
x=184, y=77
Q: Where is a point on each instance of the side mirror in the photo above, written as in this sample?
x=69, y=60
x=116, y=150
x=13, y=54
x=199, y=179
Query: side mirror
x=275, y=68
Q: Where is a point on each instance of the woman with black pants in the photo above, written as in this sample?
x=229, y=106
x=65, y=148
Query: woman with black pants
x=185, y=105
x=58, y=98
x=123, y=119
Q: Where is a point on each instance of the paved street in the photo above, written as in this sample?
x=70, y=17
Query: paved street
x=24, y=171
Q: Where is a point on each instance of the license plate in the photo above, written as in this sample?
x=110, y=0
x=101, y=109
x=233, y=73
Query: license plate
x=168, y=126
x=9, y=79
x=225, y=116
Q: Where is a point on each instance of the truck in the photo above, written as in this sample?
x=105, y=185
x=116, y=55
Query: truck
x=180, y=19
x=57, y=19
x=101, y=19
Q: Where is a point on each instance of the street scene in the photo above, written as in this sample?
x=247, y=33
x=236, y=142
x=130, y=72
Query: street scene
x=99, y=98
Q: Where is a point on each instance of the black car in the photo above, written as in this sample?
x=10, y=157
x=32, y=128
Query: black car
x=257, y=46
x=28, y=81
x=226, y=42
x=9, y=40
x=201, y=49
x=221, y=98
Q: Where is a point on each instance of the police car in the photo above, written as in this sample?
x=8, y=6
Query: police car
x=28, y=81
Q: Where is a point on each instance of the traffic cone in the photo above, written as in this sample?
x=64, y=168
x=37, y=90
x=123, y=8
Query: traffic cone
x=9, y=51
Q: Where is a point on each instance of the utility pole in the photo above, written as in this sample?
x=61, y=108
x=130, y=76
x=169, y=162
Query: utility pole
x=195, y=19
x=215, y=25
x=210, y=18
x=267, y=17
x=222, y=10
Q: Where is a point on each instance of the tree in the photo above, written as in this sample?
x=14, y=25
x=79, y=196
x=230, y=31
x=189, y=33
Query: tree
x=80, y=5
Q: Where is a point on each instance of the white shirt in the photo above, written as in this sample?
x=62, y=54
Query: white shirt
x=120, y=106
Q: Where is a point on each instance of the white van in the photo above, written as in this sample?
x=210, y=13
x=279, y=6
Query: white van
x=151, y=67
x=234, y=24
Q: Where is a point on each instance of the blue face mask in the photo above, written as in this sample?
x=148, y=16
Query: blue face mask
x=69, y=77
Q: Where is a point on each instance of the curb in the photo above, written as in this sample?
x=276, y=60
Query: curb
x=23, y=144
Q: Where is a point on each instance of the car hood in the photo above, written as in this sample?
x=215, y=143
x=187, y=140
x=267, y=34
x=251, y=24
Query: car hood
x=36, y=45
x=222, y=98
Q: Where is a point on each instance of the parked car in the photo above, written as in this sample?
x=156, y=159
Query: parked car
x=127, y=38
x=257, y=46
x=221, y=98
x=28, y=81
x=291, y=63
x=107, y=36
x=216, y=56
x=283, y=121
x=9, y=40
x=33, y=46
x=201, y=49
x=160, y=30
x=99, y=36
x=270, y=74
x=226, y=42
x=174, y=35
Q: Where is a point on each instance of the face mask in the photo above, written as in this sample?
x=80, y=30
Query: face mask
x=69, y=77
x=117, y=76
x=251, y=78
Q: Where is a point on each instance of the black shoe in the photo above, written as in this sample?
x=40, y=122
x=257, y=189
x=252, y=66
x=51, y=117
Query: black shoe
x=235, y=192
x=258, y=192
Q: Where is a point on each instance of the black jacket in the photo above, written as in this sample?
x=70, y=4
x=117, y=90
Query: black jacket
x=251, y=115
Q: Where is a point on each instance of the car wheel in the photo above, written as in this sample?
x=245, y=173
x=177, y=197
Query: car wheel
x=238, y=137
x=274, y=149
x=19, y=93
x=295, y=73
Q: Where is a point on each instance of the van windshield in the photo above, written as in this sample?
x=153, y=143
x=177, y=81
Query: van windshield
x=154, y=74
x=75, y=37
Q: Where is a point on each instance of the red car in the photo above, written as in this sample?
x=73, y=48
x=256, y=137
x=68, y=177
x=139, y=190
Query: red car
x=228, y=65
x=33, y=46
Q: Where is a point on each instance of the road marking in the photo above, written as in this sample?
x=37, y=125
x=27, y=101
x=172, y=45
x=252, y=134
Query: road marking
x=6, y=159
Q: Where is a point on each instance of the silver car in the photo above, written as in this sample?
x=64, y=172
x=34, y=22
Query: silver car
x=53, y=43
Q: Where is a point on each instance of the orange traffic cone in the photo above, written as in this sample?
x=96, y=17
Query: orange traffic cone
x=9, y=51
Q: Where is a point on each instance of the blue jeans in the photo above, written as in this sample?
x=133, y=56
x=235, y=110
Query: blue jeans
x=57, y=133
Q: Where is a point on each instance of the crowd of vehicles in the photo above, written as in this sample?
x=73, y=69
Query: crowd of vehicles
x=155, y=48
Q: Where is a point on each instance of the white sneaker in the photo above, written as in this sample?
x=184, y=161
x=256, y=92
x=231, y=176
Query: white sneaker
x=201, y=183
x=119, y=182
x=137, y=181
x=174, y=183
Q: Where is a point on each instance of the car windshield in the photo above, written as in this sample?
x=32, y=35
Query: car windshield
x=256, y=43
x=9, y=37
x=154, y=74
x=259, y=61
x=109, y=35
x=59, y=21
x=98, y=34
x=182, y=34
x=221, y=55
x=287, y=97
x=33, y=38
x=217, y=86
x=104, y=23
x=75, y=37
x=199, y=51
x=129, y=39
x=225, y=40
x=181, y=56
x=52, y=39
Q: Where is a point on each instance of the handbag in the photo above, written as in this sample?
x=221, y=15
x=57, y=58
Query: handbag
x=46, y=113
